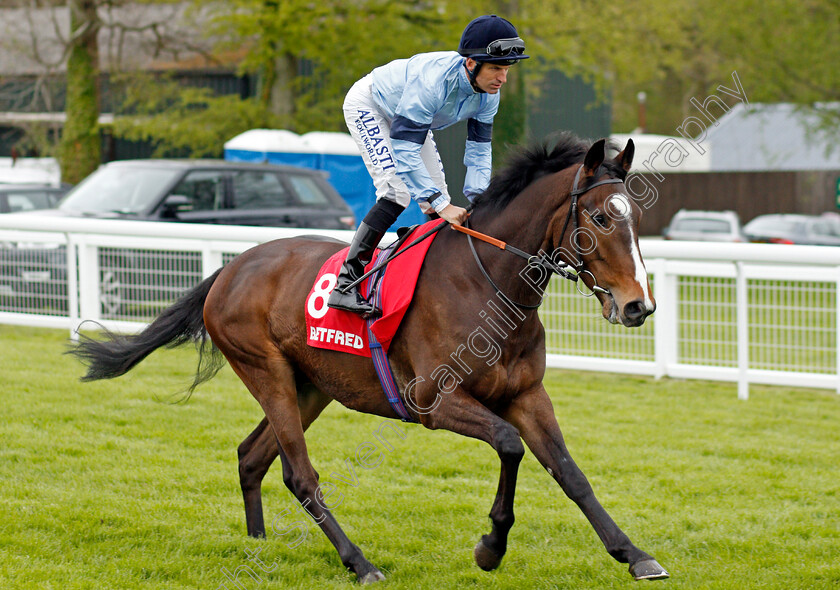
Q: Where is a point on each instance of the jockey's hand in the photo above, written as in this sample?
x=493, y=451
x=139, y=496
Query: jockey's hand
x=454, y=214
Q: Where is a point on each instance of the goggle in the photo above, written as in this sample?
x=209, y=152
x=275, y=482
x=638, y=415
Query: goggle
x=506, y=47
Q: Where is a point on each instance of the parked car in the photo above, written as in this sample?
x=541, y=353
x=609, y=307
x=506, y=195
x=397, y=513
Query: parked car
x=29, y=197
x=210, y=191
x=27, y=170
x=790, y=228
x=705, y=226
x=195, y=191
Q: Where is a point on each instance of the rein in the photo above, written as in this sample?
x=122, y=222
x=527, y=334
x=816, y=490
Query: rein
x=563, y=269
x=394, y=254
x=568, y=271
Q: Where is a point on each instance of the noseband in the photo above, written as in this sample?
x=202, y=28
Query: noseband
x=572, y=272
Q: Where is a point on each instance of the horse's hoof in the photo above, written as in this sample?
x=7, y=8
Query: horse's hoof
x=648, y=569
x=486, y=558
x=371, y=577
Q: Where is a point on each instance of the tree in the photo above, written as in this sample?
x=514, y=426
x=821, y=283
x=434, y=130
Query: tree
x=184, y=121
x=308, y=53
x=783, y=51
x=79, y=154
x=78, y=38
x=305, y=55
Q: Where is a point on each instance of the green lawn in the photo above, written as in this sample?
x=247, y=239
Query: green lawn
x=108, y=485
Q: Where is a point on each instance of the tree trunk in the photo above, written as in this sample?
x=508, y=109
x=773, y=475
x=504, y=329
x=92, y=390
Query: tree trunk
x=282, y=100
x=79, y=153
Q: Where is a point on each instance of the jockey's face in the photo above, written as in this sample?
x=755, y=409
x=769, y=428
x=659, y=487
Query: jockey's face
x=491, y=77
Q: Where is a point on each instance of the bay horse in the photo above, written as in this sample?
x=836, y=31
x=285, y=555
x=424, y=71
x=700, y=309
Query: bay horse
x=253, y=312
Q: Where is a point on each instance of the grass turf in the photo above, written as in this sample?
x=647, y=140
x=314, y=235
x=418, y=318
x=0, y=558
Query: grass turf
x=108, y=485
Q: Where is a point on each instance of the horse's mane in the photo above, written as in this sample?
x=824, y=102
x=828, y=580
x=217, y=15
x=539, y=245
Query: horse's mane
x=524, y=166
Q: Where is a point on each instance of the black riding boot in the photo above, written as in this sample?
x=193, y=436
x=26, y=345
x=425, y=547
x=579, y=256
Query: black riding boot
x=361, y=251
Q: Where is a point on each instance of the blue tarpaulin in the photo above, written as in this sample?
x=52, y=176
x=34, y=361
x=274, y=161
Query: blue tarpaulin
x=335, y=153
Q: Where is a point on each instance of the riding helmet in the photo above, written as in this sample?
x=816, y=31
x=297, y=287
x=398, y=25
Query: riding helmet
x=491, y=38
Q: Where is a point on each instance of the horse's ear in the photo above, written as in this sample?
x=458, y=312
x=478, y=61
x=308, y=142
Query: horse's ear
x=594, y=157
x=625, y=156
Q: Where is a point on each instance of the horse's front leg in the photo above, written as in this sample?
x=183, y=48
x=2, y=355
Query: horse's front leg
x=491, y=548
x=463, y=414
x=533, y=414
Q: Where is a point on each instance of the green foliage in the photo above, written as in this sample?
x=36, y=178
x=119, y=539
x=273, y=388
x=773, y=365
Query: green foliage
x=182, y=120
x=306, y=54
x=40, y=138
x=340, y=41
x=106, y=485
x=783, y=51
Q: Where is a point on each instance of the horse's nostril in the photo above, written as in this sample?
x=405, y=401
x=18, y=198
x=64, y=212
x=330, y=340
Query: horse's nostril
x=634, y=310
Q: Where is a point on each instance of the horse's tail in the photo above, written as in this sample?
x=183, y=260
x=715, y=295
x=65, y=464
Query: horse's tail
x=182, y=322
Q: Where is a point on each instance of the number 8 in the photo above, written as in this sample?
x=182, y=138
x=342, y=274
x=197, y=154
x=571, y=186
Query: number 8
x=322, y=291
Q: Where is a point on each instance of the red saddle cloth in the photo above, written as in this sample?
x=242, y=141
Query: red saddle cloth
x=344, y=331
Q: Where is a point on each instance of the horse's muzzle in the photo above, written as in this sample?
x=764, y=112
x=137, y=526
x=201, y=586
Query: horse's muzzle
x=635, y=312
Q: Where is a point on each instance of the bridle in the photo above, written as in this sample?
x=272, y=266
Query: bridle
x=572, y=272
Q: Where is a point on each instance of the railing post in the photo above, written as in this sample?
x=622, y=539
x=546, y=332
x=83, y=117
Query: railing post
x=72, y=287
x=211, y=260
x=665, y=328
x=741, y=305
x=88, y=260
x=837, y=328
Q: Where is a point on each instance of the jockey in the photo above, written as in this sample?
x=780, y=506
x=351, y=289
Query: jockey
x=391, y=113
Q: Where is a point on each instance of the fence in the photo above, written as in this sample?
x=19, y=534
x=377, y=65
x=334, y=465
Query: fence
x=747, y=313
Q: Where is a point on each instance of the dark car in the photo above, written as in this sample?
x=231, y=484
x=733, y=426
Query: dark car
x=29, y=197
x=200, y=191
x=210, y=191
x=790, y=228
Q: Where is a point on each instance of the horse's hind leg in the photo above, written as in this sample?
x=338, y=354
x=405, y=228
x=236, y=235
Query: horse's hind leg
x=258, y=451
x=271, y=381
x=256, y=454
x=533, y=414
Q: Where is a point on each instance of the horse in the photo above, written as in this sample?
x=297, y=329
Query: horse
x=566, y=210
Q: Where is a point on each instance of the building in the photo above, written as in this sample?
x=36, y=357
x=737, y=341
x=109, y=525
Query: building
x=774, y=137
x=152, y=37
x=758, y=159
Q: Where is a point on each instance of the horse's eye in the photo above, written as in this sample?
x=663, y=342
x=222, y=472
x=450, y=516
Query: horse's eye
x=600, y=219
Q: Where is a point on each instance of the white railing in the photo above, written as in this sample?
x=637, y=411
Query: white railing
x=747, y=313
x=125, y=271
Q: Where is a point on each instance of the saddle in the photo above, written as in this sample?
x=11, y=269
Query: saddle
x=391, y=288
